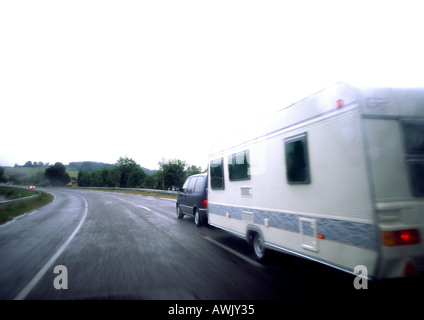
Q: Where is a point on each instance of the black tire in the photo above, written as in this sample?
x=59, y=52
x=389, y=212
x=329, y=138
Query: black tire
x=197, y=218
x=258, y=247
x=179, y=214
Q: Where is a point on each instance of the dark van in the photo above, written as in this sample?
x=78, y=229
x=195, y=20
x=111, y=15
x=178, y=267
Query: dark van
x=192, y=199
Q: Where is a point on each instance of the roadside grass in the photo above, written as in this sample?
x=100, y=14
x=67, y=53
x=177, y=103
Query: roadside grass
x=12, y=210
x=15, y=193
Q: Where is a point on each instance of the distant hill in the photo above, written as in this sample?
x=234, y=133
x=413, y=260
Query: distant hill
x=148, y=171
x=89, y=166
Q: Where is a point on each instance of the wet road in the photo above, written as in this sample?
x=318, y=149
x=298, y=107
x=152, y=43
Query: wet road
x=125, y=246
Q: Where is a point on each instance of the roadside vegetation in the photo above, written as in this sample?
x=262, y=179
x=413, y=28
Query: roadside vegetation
x=9, y=211
x=125, y=173
x=15, y=193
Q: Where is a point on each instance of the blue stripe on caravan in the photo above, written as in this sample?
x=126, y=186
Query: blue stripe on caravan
x=347, y=232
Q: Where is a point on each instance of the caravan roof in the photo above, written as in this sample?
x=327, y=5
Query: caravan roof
x=374, y=102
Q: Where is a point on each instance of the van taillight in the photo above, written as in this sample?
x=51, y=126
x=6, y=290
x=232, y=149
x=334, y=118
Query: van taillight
x=400, y=237
x=204, y=204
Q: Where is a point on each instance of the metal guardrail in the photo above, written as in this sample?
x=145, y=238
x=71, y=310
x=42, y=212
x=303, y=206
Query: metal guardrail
x=19, y=199
x=132, y=189
x=87, y=188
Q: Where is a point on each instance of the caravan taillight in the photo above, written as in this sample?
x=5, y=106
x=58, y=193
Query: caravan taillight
x=400, y=237
x=339, y=103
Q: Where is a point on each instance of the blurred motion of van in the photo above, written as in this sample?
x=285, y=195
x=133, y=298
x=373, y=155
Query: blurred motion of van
x=192, y=199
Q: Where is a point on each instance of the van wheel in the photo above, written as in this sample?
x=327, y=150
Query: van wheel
x=258, y=247
x=197, y=218
x=179, y=214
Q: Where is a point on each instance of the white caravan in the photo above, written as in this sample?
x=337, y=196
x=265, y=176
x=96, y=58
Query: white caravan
x=337, y=177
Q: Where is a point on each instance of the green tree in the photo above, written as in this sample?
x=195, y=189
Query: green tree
x=152, y=181
x=2, y=178
x=193, y=170
x=81, y=179
x=104, y=173
x=57, y=174
x=113, y=178
x=173, y=173
x=136, y=178
x=130, y=173
x=95, y=179
x=28, y=164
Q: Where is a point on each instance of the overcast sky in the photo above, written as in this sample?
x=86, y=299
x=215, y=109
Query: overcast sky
x=152, y=80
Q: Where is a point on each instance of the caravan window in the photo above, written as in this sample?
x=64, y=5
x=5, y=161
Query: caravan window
x=238, y=166
x=413, y=132
x=217, y=173
x=297, y=162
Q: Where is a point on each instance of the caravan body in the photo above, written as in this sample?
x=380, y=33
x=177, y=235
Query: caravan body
x=337, y=177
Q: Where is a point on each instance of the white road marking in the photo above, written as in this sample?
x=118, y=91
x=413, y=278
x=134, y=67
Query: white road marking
x=247, y=259
x=156, y=213
x=27, y=289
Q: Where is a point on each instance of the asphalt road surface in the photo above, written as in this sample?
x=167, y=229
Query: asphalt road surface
x=104, y=245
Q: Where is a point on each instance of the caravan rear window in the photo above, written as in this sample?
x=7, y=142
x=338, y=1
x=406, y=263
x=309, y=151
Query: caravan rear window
x=413, y=133
x=297, y=161
x=217, y=174
x=238, y=166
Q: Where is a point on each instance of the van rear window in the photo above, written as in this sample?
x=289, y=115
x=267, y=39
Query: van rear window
x=191, y=185
x=199, y=184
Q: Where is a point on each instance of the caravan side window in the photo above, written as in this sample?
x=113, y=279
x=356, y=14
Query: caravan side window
x=297, y=160
x=238, y=166
x=217, y=173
